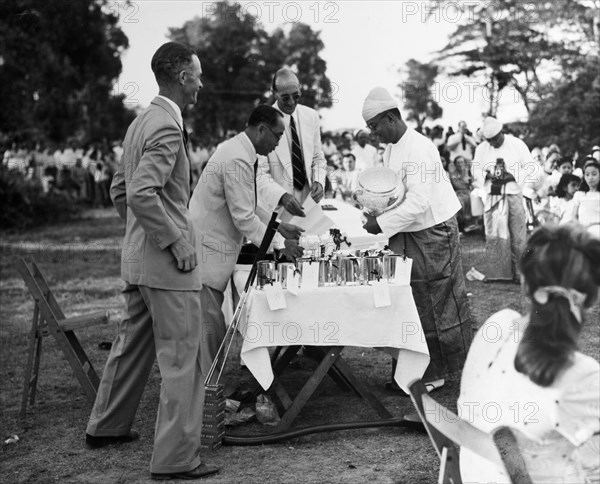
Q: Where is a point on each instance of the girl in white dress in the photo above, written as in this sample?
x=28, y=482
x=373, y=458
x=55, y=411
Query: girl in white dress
x=586, y=203
x=525, y=371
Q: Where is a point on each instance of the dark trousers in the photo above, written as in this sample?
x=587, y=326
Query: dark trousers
x=438, y=285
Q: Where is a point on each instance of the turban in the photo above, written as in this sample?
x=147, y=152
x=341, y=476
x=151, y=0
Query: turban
x=491, y=127
x=378, y=101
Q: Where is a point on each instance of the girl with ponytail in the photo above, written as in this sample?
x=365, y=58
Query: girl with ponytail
x=526, y=372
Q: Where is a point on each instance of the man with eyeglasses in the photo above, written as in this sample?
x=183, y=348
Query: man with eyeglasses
x=297, y=166
x=223, y=212
x=424, y=228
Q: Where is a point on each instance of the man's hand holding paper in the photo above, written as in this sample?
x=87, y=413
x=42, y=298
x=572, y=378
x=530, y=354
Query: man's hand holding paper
x=315, y=221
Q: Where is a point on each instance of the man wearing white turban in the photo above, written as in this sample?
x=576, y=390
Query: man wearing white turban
x=424, y=228
x=505, y=168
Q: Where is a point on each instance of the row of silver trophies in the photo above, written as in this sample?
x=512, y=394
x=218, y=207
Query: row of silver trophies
x=341, y=269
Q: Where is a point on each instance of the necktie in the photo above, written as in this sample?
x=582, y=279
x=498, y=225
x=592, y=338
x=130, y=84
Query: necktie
x=464, y=142
x=297, y=160
x=255, y=193
x=185, y=145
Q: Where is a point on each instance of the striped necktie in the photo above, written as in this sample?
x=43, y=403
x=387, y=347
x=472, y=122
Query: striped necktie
x=255, y=193
x=297, y=160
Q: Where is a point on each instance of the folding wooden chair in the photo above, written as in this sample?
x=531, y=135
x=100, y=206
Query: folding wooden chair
x=448, y=432
x=48, y=318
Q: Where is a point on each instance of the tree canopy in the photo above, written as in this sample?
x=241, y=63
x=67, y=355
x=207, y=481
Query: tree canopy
x=239, y=59
x=512, y=43
x=58, y=65
x=417, y=92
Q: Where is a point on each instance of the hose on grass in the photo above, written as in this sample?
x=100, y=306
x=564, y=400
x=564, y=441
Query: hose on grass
x=410, y=423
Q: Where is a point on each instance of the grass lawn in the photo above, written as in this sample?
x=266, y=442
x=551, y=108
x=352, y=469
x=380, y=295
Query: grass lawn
x=81, y=261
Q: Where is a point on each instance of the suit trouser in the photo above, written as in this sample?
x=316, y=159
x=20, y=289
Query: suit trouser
x=214, y=328
x=167, y=324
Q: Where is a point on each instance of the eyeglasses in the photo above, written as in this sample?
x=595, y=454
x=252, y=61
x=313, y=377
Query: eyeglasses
x=288, y=97
x=373, y=126
x=278, y=136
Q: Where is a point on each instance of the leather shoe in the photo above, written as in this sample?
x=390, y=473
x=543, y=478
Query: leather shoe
x=202, y=470
x=94, y=442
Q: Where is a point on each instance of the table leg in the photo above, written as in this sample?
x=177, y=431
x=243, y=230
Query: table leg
x=279, y=364
x=361, y=389
x=309, y=387
x=284, y=360
x=335, y=375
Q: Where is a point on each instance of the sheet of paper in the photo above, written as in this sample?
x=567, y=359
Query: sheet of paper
x=275, y=296
x=310, y=275
x=381, y=294
x=315, y=222
x=402, y=273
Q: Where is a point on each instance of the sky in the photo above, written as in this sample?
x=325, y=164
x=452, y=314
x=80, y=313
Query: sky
x=366, y=44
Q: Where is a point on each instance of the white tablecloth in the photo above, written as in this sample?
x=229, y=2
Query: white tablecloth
x=335, y=316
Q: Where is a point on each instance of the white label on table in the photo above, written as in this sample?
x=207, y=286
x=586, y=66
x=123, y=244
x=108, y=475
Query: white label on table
x=293, y=281
x=402, y=274
x=275, y=296
x=381, y=294
x=310, y=275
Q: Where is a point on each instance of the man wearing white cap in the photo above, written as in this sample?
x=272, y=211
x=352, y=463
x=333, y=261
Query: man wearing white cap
x=424, y=228
x=365, y=153
x=504, y=167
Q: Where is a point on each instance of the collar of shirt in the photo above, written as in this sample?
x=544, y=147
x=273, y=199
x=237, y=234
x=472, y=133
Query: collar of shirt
x=253, y=154
x=286, y=117
x=176, y=109
x=393, y=147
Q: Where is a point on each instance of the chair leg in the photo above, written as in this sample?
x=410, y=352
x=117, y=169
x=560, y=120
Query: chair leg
x=33, y=362
x=80, y=363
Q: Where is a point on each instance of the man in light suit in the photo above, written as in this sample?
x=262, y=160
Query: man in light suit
x=297, y=166
x=223, y=210
x=150, y=191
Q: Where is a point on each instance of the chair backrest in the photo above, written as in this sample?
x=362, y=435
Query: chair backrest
x=38, y=287
x=448, y=431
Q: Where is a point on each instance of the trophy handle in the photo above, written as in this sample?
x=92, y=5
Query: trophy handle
x=355, y=193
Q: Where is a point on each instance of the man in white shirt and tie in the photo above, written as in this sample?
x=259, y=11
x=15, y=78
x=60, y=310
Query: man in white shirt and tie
x=297, y=166
x=424, y=228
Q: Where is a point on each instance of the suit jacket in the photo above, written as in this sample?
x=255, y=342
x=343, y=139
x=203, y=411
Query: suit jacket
x=223, y=209
x=151, y=191
x=275, y=173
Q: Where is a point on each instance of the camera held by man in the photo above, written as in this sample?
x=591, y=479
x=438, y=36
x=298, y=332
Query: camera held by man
x=499, y=177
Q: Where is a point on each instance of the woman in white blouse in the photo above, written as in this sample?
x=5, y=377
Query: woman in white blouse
x=525, y=371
